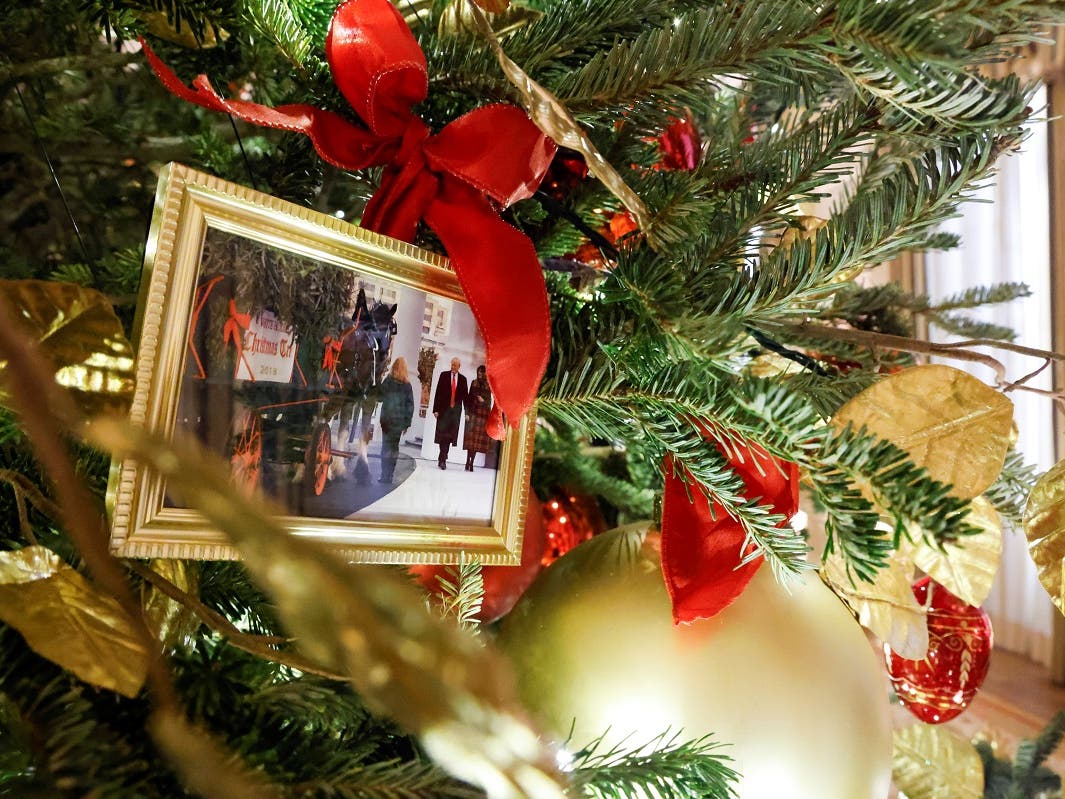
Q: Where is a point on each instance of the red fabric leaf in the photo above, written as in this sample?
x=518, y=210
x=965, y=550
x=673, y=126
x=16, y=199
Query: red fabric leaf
x=702, y=546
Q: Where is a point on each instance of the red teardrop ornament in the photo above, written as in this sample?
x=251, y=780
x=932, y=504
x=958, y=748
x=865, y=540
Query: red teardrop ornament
x=941, y=686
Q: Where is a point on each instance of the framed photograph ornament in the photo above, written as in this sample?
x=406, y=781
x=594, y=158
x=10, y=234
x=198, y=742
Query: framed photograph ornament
x=338, y=371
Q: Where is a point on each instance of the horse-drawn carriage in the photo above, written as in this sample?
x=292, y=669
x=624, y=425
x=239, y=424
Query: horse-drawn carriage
x=284, y=411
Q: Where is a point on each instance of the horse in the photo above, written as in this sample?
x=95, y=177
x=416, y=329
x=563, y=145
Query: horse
x=365, y=353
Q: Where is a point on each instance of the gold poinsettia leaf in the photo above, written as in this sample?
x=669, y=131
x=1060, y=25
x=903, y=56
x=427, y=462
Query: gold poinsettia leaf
x=159, y=25
x=946, y=420
x=886, y=606
x=769, y=364
x=932, y=762
x=77, y=330
x=457, y=18
x=1044, y=525
x=66, y=619
x=171, y=621
x=371, y=624
x=965, y=567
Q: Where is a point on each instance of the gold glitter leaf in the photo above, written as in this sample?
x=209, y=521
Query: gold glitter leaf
x=965, y=567
x=171, y=621
x=68, y=620
x=886, y=606
x=77, y=330
x=159, y=25
x=805, y=230
x=414, y=12
x=555, y=120
x=369, y=623
x=458, y=18
x=492, y=6
x=935, y=763
x=1044, y=524
x=947, y=420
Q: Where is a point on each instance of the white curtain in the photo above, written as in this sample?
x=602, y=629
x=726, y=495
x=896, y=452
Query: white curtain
x=1006, y=237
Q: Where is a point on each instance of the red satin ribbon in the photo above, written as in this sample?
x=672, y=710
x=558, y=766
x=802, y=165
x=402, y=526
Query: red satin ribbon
x=702, y=546
x=446, y=179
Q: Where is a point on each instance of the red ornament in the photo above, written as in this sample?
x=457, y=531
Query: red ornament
x=703, y=547
x=681, y=144
x=567, y=170
x=503, y=585
x=569, y=519
x=620, y=225
x=942, y=685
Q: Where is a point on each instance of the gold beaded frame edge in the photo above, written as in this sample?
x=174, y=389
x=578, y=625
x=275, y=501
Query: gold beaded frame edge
x=188, y=203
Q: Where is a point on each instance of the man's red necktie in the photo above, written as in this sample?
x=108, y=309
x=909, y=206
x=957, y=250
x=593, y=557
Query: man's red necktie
x=454, y=384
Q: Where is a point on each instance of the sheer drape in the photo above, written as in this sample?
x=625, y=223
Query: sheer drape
x=1006, y=237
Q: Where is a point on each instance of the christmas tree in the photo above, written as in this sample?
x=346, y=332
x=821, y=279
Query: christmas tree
x=711, y=349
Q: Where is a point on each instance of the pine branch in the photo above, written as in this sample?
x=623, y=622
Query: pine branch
x=877, y=225
x=562, y=461
x=692, y=53
x=461, y=594
x=756, y=181
x=967, y=327
x=73, y=736
x=409, y=779
x=663, y=768
x=53, y=66
x=1032, y=754
x=672, y=412
x=203, y=18
x=1009, y=493
x=978, y=296
x=276, y=20
x=1026, y=777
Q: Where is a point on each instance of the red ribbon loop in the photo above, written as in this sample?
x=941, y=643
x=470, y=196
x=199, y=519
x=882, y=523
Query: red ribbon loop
x=446, y=179
x=231, y=330
x=702, y=546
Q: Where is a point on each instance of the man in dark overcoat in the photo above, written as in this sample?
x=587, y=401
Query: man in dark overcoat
x=448, y=400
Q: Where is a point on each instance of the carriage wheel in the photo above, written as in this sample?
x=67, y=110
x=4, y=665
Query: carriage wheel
x=317, y=459
x=247, y=458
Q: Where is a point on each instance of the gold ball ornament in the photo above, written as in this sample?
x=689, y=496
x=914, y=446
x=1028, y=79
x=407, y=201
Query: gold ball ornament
x=788, y=679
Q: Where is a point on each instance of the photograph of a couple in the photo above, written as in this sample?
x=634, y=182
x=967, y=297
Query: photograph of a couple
x=341, y=395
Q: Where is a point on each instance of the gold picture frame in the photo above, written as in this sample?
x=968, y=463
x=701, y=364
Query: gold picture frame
x=236, y=280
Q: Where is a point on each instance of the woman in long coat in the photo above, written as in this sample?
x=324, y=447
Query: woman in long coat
x=397, y=411
x=478, y=404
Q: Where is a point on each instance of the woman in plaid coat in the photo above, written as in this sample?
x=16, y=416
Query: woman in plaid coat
x=397, y=411
x=478, y=404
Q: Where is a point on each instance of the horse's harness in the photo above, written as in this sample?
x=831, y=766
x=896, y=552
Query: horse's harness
x=370, y=339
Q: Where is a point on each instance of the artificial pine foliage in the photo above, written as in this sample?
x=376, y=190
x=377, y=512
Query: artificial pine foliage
x=655, y=356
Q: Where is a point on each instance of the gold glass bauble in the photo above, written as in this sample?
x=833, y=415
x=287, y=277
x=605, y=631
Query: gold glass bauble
x=788, y=679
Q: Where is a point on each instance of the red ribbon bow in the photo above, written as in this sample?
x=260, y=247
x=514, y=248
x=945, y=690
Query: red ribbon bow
x=702, y=546
x=446, y=179
x=332, y=352
x=234, y=324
